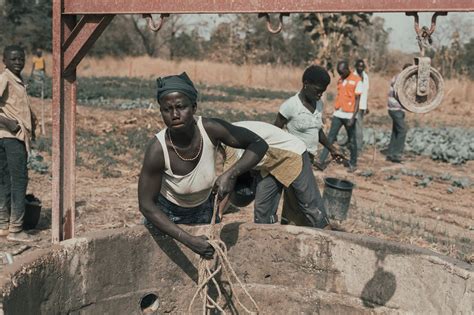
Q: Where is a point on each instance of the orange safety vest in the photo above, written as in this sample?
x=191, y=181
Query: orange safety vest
x=346, y=93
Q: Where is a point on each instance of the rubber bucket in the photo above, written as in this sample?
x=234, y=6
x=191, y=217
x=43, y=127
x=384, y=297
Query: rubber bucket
x=337, y=197
x=32, y=212
x=244, y=190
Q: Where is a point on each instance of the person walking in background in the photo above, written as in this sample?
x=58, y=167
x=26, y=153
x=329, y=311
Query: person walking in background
x=399, y=127
x=349, y=89
x=38, y=79
x=38, y=69
x=302, y=113
x=16, y=133
x=363, y=109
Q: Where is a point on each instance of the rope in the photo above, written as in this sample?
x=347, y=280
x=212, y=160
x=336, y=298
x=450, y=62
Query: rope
x=208, y=269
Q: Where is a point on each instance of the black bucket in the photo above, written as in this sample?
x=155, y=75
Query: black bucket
x=244, y=190
x=32, y=212
x=337, y=197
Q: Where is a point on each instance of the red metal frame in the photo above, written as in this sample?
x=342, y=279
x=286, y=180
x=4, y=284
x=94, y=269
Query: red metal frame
x=82, y=37
x=261, y=6
x=72, y=40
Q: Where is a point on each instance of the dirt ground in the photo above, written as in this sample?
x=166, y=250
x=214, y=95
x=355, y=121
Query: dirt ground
x=387, y=204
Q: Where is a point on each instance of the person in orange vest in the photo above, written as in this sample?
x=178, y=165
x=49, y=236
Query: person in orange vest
x=349, y=89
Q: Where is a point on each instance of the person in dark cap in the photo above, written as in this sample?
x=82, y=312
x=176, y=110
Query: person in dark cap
x=302, y=113
x=177, y=182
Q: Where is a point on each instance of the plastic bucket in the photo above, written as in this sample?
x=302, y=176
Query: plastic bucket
x=32, y=212
x=337, y=197
x=244, y=190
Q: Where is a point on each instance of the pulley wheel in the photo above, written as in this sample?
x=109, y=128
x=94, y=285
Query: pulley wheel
x=405, y=90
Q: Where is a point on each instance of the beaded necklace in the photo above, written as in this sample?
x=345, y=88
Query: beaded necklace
x=179, y=155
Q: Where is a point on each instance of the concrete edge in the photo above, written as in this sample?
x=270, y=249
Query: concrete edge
x=37, y=257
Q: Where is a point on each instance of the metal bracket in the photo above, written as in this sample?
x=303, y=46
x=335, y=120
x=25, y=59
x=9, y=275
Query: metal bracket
x=269, y=23
x=424, y=68
x=423, y=34
x=151, y=24
x=81, y=39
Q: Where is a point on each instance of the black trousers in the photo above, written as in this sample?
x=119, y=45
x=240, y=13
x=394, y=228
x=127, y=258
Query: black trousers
x=13, y=183
x=399, y=134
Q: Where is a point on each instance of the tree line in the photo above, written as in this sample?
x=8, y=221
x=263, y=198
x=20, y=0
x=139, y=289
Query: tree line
x=239, y=39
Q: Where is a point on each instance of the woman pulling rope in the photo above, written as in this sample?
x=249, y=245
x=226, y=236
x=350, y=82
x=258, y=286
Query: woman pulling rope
x=178, y=172
x=210, y=269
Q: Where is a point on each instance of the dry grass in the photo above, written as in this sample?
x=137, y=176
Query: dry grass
x=263, y=76
x=275, y=77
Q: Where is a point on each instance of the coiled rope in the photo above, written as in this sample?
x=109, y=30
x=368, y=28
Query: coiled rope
x=210, y=268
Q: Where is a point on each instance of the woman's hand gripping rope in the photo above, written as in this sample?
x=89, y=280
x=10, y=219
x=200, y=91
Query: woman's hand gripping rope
x=209, y=269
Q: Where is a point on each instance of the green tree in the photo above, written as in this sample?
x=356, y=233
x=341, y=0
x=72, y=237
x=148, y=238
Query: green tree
x=467, y=58
x=244, y=39
x=150, y=40
x=334, y=34
x=225, y=45
x=187, y=45
x=26, y=23
x=159, y=43
x=118, y=39
x=373, y=44
x=265, y=46
x=301, y=49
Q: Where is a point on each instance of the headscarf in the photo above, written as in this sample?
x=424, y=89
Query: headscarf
x=176, y=83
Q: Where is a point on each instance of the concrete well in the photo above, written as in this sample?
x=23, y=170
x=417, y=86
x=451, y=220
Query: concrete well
x=287, y=269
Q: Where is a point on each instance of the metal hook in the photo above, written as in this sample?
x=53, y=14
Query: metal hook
x=269, y=24
x=417, y=20
x=433, y=20
x=151, y=24
x=424, y=34
x=425, y=29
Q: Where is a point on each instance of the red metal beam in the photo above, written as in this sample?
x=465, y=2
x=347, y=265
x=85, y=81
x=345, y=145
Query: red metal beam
x=83, y=36
x=64, y=132
x=261, y=6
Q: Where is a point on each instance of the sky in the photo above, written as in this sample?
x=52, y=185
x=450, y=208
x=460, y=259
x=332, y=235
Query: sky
x=403, y=37
x=402, y=34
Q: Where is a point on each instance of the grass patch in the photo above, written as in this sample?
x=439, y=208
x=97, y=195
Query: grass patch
x=97, y=91
x=43, y=144
x=458, y=247
x=111, y=152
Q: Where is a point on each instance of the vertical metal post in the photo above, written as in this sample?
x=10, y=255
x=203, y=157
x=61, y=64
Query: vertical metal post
x=63, y=113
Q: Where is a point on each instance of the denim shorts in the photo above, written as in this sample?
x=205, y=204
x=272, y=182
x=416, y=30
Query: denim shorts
x=201, y=214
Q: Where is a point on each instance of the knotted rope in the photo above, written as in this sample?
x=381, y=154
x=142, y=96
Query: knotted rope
x=209, y=268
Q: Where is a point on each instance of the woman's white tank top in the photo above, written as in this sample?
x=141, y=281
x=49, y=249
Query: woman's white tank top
x=194, y=188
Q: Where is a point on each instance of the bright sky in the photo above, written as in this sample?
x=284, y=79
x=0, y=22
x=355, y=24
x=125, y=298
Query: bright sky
x=402, y=35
